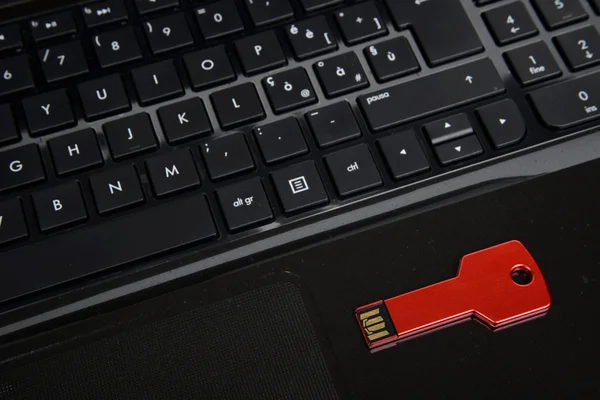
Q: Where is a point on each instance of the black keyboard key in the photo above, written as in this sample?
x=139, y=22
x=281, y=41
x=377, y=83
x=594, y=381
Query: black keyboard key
x=116, y=189
x=21, y=166
x=392, y=59
x=580, y=48
x=510, y=23
x=9, y=132
x=209, y=67
x=168, y=33
x=458, y=150
x=558, y=13
x=448, y=129
x=353, y=170
x=455, y=38
x=289, y=90
x=157, y=82
x=219, y=19
x=148, y=6
x=447, y=89
x=314, y=5
x=12, y=221
x=63, y=61
x=48, y=112
x=569, y=103
x=533, y=63
x=173, y=172
x=59, y=206
x=51, y=26
x=237, y=105
x=404, y=155
x=15, y=74
x=260, y=52
x=226, y=156
x=360, y=22
x=184, y=120
x=117, y=47
x=245, y=204
x=268, y=12
x=10, y=37
x=281, y=140
x=103, y=96
x=341, y=74
x=503, y=123
x=299, y=187
x=311, y=37
x=133, y=237
x=333, y=124
x=130, y=136
x=103, y=13
x=75, y=152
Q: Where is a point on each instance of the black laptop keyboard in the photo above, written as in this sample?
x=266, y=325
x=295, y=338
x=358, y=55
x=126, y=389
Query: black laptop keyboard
x=130, y=129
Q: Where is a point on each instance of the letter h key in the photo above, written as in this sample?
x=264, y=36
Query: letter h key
x=498, y=286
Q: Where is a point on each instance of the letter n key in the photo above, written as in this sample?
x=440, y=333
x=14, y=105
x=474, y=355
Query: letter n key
x=499, y=286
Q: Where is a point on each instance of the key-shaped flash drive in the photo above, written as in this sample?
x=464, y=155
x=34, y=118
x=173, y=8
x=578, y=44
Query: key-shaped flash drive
x=499, y=286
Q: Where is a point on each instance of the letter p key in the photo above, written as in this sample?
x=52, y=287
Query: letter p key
x=498, y=286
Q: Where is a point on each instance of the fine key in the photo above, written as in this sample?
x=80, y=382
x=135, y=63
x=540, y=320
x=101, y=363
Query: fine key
x=485, y=281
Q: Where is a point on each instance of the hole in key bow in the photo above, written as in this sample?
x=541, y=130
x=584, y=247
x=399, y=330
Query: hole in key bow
x=521, y=275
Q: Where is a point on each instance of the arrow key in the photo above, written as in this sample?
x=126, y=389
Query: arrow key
x=580, y=48
x=403, y=154
x=458, y=150
x=503, y=123
x=510, y=23
x=12, y=221
x=448, y=129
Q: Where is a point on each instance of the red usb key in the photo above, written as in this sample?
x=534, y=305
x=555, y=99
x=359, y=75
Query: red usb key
x=499, y=286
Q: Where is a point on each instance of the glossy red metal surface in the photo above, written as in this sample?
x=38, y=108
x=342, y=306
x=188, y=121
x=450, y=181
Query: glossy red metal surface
x=483, y=289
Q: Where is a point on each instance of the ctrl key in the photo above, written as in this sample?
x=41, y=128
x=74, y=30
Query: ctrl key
x=12, y=221
x=245, y=204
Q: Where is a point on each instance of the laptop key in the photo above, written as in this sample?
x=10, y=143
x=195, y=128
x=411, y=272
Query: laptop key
x=360, y=22
x=260, y=52
x=245, y=204
x=184, y=120
x=510, y=23
x=59, y=206
x=149, y=6
x=458, y=150
x=268, y=12
x=173, y=172
x=392, y=59
x=51, y=26
x=226, y=156
x=9, y=132
x=157, y=82
x=311, y=37
x=219, y=19
x=103, y=96
x=533, y=63
x=503, y=123
x=455, y=38
x=117, y=47
x=403, y=154
x=314, y=5
x=209, y=67
x=333, y=124
x=20, y=167
x=103, y=13
x=447, y=89
x=12, y=221
x=341, y=74
x=10, y=37
x=130, y=136
x=448, y=129
x=117, y=189
x=168, y=33
x=15, y=74
x=280, y=140
x=289, y=90
x=63, y=61
x=48, y=112
x=580, y=48
x=300, y=187
x=237, y=105
x=75, y=152
x=353, y=170
x=556, y=14
x=569, y=103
